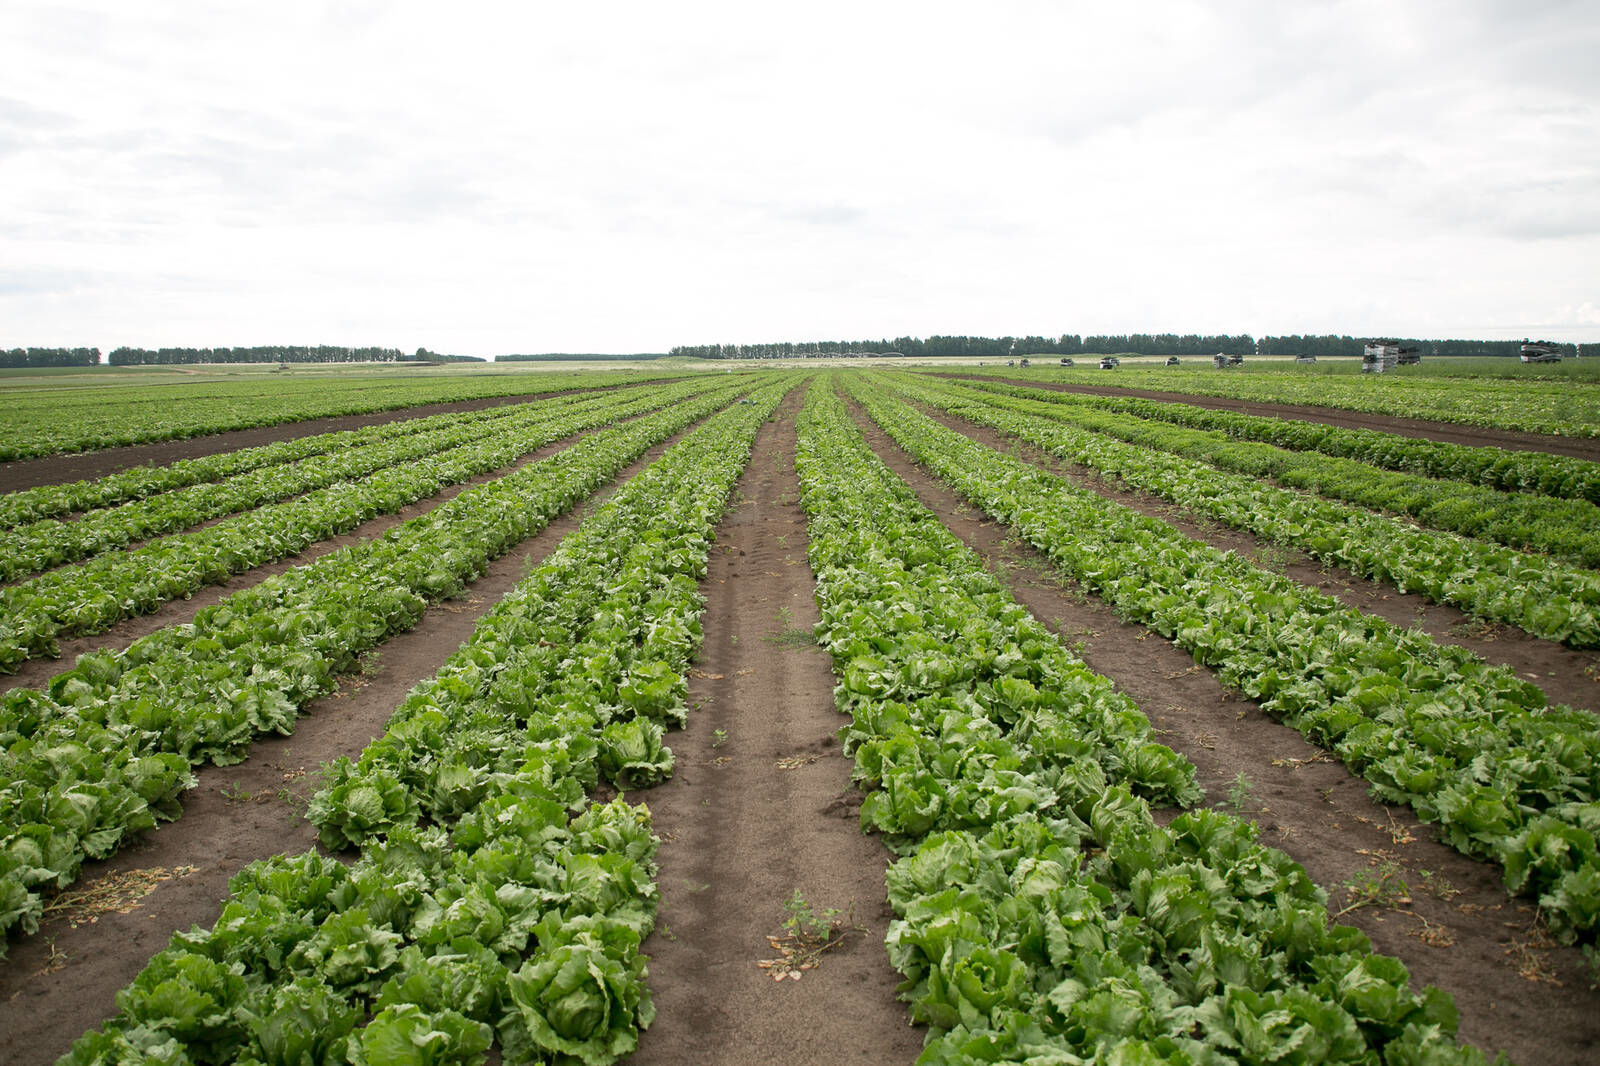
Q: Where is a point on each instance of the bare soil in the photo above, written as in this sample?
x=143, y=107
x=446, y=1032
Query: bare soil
x=55, y=469
x=1446, y=916
x=760, y=807
x=1447, y=432
x=61, y=982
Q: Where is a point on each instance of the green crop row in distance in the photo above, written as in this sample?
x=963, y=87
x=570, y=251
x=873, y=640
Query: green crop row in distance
x=1562, y=476
x=89, y=597
x=1559, y=408
x=46, y=421
x=1541, y=595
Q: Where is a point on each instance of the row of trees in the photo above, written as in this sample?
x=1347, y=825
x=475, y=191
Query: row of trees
x=15, y=357
x=1073, y=344
x=575, y=357
x=992, y=347
x=277, y=353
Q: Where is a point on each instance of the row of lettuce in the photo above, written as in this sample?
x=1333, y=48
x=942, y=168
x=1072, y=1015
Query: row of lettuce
x=58, y=416
x=107, y=748
x=51, y=542
x=1043, y=914
x=1564, y=408
x=1545, y=473
x=90, y=597
x=139, y=482
x=1542, y=595
x=1467, y=745
x=493, y=901
x=1566, y=528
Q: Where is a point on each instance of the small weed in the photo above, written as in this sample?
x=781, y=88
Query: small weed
x=371, y=664
x=1379, y=886
x=719, y=737
x=1241, y=795
x=803, y=922
x=790, y=635
x=57, y=959
x=1272, y=558
x=807, y=934
x=235, y=793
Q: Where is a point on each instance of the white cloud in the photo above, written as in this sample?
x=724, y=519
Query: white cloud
x=492, y=177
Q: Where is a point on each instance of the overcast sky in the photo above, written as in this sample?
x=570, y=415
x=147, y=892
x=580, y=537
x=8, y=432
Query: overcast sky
x=483, y=178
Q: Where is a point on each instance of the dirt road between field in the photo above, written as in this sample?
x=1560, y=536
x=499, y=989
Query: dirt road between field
x=1455, y=928
x=1447, y=432
x=62, y=981
x=761, y=807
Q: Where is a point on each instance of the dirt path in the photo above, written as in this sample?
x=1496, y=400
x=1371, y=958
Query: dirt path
x=1459, y=931
x=1447, y=432
x=55, y=469
x=761, y=806
x=1567, y=675
x=61, y=981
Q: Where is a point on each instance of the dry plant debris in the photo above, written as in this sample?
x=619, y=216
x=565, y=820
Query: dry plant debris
x=116, y=893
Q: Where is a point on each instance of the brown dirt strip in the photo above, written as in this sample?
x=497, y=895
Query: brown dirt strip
x=761, y=806
x=1446, y=432
x=61, y=982
x=1567, y=675
x=1516, y=991
x=55, y=469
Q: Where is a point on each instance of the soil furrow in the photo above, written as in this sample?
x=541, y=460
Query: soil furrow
x=1567, y=675
x=761, y=807
x=61, y=981
x=1421, y=429
x=1457, y=928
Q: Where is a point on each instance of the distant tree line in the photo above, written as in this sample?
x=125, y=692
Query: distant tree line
x=939, y=346
x=425, y=356
x=1073, y=344
x=15, y=357
x=278, y=353
x=575, y=357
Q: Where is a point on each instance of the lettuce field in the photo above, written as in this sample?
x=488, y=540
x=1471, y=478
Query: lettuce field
x=947, y=715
